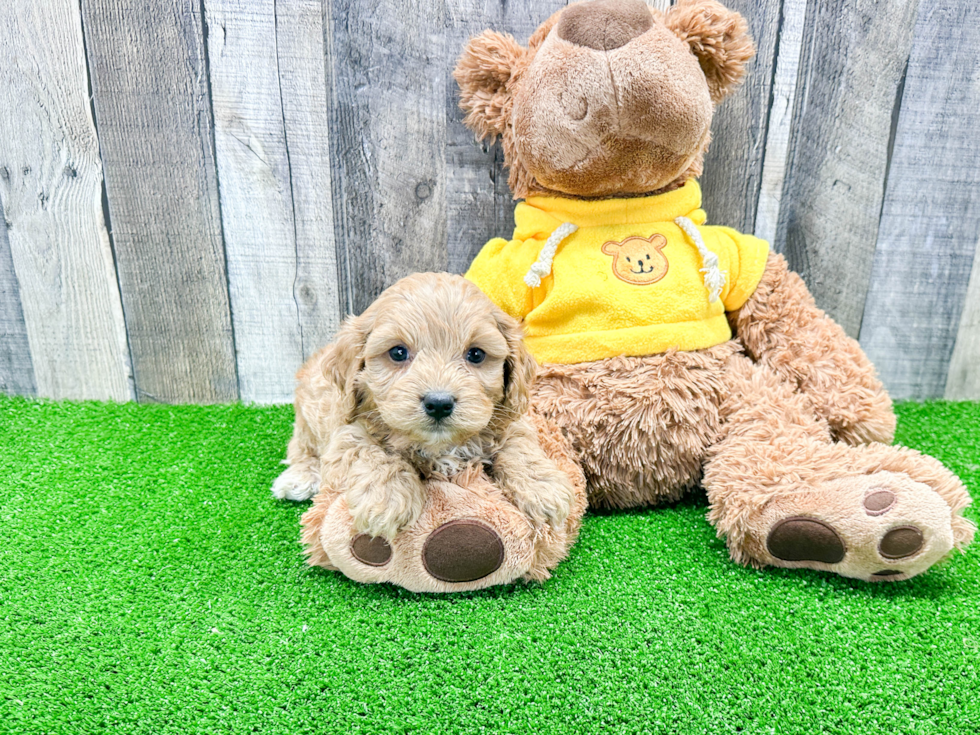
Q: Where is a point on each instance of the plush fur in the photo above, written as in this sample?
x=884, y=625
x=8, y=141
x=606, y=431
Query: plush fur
x=787, y=425
x=380, y=464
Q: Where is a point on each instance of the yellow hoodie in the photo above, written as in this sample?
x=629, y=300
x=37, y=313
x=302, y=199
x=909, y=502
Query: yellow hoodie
x=630, y=279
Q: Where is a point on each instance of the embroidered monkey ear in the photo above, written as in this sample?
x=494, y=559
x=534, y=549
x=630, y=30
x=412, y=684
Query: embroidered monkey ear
x=719, y=37
x=483, y=73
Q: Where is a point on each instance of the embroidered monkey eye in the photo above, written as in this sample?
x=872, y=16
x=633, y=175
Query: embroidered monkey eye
x=475, y=355
x=398, y=353
x=628, y=260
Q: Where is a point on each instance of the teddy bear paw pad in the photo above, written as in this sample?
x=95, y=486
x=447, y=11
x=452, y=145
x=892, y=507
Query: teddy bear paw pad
x=805, y=539
x=878, y=527
x=462, y=551
x=371, y=550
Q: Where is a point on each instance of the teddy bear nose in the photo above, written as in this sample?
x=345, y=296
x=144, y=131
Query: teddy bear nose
x=604, y=24
x=438, y=405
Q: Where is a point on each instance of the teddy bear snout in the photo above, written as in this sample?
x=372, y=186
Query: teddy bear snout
x=604, y=24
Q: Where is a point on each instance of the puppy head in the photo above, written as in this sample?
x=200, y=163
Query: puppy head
x=434, y=362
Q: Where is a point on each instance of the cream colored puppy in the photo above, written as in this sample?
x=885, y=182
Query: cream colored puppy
x=430, y=380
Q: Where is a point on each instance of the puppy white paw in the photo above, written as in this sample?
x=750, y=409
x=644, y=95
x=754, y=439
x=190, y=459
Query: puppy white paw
x=296, y=483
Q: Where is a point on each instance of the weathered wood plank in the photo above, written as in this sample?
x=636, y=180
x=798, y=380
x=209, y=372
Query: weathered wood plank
x=931, y=214
x=479, y=204
x=963, y=381
x=273, y=300
x=16, y=369
x=388, y=134
x=149, y=79
x=51, y=189
x=789, y=44
x=300, y=41
x=854, y=53
x=732, y=176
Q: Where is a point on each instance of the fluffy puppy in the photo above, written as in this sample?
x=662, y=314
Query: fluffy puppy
x=430, y=381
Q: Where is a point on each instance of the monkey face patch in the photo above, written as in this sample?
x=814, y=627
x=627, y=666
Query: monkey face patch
x=638, y=260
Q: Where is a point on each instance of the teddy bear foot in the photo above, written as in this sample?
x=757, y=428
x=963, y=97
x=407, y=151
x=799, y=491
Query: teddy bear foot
x=466, y=538
x=463, y=550
x=877, y=527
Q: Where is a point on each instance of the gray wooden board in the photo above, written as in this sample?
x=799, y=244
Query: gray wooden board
x=388, y=134
x=930, y=219
x=254, y=77
x=733, y=167
x=963, y=382
x=853, y=57
x=51, y=190
x=300, y=42
x=479, y=204
x=779, y=122
x=150, y=85
x=16, y=370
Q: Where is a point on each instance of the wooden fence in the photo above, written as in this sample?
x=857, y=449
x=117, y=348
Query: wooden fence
x=195, y=192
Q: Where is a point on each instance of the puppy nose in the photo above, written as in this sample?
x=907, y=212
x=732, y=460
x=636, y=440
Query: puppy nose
x=604, y=24
x=438, y=405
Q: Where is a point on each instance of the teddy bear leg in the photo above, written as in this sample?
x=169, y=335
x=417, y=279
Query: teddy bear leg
x=468, y=535
x=640, y=425
x=783, y=494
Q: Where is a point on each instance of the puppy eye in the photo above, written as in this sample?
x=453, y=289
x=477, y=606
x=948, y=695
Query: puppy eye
x=475, y=355
x=398, y=353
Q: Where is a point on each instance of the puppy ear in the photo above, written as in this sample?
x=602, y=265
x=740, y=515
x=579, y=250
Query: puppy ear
x=519, y=367
x=483, y=73
x=719, y=37
x=343, y=362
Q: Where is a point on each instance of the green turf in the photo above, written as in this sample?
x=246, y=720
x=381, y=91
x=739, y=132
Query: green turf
x=149, y=583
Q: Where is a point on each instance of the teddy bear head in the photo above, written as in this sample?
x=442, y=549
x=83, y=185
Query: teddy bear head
x=610, y=97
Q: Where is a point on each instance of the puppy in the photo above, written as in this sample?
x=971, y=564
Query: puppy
x=431, y=380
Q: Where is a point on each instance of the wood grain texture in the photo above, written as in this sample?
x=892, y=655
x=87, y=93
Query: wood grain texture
x=732, y=175
x=787, y=65
x=930, y=219
x=51, y=189
x=963, y=381
x=16, y=368
x=149, y=79
x=853, y=57
x=275, y=298
x=388, y=134
x=300, y=41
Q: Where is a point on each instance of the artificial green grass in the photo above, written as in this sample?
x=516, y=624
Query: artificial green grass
x=149, y=583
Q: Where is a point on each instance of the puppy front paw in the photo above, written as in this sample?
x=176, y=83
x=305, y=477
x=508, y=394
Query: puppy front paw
x=381, y=511
x=546, y=502
x=299, y=482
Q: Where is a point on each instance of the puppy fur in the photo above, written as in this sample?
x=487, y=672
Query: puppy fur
x=361, y=427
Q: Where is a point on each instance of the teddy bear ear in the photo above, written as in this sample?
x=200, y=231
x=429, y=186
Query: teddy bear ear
x=483, y=73
x=719, y=37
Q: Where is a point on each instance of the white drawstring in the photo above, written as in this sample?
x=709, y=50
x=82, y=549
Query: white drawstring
x=714, y=279
x=542, y=267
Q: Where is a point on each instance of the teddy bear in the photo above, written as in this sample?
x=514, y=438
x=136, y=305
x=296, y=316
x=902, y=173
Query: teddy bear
x=674, y=353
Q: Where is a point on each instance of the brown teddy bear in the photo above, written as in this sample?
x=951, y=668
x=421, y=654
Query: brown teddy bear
x=674, y=353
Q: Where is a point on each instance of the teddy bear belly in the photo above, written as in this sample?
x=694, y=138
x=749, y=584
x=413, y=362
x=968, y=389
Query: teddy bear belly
x=641, y=425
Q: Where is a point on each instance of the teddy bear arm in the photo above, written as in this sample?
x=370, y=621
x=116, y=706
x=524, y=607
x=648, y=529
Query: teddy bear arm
x=782, y=328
